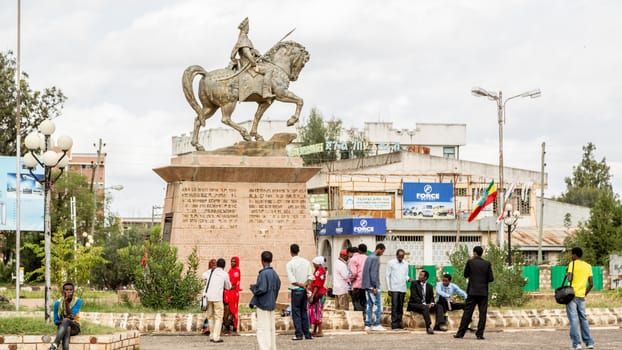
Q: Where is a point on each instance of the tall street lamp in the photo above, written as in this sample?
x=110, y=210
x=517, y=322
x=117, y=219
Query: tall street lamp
x=498, y=98
x=510, y=219
x=320, y=218
x=48, y=159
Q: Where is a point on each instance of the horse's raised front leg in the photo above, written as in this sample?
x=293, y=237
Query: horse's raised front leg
x=287, y=96
x=261, y=109
x=227, y=111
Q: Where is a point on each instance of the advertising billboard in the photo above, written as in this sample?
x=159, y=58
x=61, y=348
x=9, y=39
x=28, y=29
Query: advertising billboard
x=367, y=202
x=429, y=200
x=355, y=226
x=31, y=198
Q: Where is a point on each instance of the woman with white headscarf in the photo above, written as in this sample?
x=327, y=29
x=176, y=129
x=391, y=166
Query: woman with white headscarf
x=318, y=295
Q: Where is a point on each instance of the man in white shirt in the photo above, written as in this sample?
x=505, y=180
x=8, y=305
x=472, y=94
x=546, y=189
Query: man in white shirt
x=300, y=275
x=217, y=281
x=397, y=276
x=341, y=282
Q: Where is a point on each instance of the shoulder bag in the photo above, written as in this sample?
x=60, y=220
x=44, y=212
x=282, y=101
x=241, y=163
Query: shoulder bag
x=204, y=300
x=565, y=294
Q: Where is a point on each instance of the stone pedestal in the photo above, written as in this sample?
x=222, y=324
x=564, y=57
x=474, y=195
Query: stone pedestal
x=226, y=205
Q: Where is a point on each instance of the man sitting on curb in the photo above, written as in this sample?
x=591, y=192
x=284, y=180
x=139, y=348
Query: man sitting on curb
x=445, y=300
x=422, y=300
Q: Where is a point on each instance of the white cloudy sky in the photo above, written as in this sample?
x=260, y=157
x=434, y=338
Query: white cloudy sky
x=120, y=64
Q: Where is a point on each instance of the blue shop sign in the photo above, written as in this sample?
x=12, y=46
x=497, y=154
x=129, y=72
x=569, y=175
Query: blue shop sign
x=355, y=226
x=428, y=192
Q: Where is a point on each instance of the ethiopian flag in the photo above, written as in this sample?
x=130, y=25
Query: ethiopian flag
x=488, y=197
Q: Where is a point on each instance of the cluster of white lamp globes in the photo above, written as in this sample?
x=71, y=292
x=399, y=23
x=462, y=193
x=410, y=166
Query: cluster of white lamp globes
x=320, y=218
x=42, y=141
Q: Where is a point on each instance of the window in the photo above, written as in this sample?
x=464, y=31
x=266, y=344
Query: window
x=461, y=192
x=449, y=151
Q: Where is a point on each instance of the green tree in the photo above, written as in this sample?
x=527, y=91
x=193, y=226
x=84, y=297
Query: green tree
x=589, y=178
x=315, y=131
x=69, y=262
x=117, y=272
x=36, y=106
x=601, y=235
x=71, y=184
x=161, y=282
x=507, y=288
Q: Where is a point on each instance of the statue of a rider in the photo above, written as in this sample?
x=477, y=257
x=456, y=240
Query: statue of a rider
x=244, y=56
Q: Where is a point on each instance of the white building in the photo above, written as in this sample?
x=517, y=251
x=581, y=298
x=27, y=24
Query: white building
x=433, y=138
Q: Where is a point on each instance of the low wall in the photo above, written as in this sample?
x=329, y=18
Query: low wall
x=351, y=320
x=129, y=340
x=333, y=320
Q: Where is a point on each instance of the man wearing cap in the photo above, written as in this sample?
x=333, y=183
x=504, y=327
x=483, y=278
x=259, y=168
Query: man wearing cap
x=341, y=281
x=397, y=276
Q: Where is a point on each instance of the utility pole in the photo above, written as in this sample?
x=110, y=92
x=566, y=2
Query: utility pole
x=540, y=228
x=93, y=177
x=18, y=145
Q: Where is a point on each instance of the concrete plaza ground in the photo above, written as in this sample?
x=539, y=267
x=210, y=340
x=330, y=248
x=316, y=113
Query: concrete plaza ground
x=507, y=339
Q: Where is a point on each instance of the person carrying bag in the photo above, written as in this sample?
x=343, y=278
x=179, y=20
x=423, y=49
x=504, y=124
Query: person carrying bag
x=564, y=294
x=204, y=300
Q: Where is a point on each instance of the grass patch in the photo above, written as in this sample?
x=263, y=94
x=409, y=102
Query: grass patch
x=38, y=326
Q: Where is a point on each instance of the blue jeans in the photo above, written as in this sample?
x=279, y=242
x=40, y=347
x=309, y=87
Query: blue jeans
x=577, y=318
x=373, y=299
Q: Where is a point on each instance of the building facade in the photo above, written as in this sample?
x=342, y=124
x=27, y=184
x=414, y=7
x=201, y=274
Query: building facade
x=381, y=137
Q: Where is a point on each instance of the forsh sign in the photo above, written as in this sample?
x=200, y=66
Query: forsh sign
x=355, y=226
x=428, y=200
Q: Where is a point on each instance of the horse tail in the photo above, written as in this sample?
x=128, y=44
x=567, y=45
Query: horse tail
x=186, y=81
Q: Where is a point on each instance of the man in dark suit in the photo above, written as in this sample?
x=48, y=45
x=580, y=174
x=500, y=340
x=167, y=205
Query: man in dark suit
x=479, y=273
x=422, y=300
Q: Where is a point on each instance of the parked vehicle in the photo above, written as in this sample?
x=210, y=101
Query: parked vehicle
x=440, y=210
x=427, y=211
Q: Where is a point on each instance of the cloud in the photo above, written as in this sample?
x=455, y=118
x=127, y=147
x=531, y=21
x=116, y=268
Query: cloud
x=120, y=64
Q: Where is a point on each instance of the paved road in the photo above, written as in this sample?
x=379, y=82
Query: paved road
x=605, y=337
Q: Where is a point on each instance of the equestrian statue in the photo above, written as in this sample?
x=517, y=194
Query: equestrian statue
x=249, y=77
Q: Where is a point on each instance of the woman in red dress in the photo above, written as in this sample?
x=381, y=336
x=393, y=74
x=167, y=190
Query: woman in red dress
x=232, y=298
x=318, y=295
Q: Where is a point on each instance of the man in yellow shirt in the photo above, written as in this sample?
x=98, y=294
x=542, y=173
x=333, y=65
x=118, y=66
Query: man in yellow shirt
x=579, y=275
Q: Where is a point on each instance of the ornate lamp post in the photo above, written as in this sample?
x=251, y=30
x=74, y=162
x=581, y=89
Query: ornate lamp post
x=498, y=98
x=510, y=220
x=48, y=159
x=320, y=218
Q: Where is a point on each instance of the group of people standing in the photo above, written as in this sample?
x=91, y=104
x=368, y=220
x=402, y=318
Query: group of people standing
x=357, y=275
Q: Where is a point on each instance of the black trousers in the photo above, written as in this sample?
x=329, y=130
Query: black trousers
x=359, y=300
x=482, y=306
x=425, y=311
x=397, y=309
x=444, y=304
x=66, y=328
x=300, y=313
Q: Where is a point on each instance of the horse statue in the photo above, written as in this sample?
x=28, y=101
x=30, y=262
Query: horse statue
x=223, y=88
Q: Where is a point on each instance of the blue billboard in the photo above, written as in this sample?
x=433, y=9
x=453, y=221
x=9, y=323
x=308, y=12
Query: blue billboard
x=428, y=200
x=355, y=226
x=31, y=197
